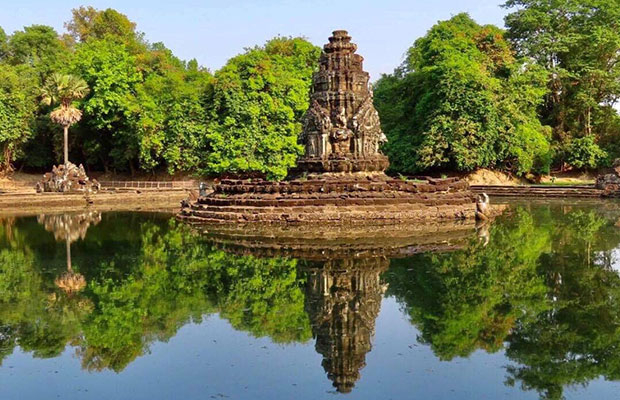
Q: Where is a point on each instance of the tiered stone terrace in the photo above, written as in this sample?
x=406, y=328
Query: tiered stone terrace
x=347, y=200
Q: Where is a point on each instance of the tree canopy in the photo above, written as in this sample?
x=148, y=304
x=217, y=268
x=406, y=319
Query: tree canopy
x=255, y=107
x=461, y=100
x=542, y=94
x=577, y=42
x=17, y=107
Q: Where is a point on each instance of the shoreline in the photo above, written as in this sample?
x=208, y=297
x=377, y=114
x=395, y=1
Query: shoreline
x=24, y=204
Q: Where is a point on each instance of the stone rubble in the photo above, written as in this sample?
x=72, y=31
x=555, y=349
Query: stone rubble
x=74, y=180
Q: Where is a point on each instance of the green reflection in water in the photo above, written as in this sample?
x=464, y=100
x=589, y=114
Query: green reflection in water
x=145, y=279
x=542, y=289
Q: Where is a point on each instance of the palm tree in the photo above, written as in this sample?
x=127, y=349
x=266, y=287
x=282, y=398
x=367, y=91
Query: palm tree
x=64, y=89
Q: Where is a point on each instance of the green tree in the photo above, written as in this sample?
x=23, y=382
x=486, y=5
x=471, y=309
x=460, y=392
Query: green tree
x=255, y=106
x=4, y=45
x=64, y=90
x=461, y=100
x=17, y=111
x=168, y=115
x=111, y=73
x=577, y=42
x=90, y=23
x=40, y=47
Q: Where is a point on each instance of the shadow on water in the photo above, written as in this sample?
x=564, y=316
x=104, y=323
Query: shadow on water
x=540, y=284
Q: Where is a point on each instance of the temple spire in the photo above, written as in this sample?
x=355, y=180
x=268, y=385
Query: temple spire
x=342, y=132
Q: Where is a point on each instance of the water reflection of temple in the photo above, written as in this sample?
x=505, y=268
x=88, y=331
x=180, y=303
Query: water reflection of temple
x=343, y=299
x=343, y=267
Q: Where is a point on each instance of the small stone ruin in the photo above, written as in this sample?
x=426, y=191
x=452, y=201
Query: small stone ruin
x=610, y=183
x=73, y=180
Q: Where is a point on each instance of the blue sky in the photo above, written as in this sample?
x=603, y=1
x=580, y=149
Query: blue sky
x=213, y=31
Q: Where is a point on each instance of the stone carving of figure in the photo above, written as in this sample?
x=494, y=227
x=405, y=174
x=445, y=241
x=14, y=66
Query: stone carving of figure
x=367, y=128
x=341, y=135
x=317, y=126
x=342, y=123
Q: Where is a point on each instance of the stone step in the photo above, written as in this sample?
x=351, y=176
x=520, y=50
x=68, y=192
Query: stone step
x=584, y=191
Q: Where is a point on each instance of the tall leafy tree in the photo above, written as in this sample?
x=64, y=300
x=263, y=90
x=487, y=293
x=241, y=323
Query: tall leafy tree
x=40, y=47
x=578, y=43
x=4, y=45
x=64, y=90
x=255, y=108
x=111, y=72
x=90, y=23
x=17, y=111
x=461, y=100
x=168, y=115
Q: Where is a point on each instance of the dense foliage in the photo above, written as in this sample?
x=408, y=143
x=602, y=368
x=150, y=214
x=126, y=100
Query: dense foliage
x=148, y=110
x=461, y=101
x=17, y=107
x=256, y=105
x=578, y=43
x=542, y=94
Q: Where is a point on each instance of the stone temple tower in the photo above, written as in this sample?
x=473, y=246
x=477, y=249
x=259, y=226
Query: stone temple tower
x=341, y=130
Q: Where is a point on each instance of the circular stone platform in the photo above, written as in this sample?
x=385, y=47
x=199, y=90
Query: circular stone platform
x=347, y=199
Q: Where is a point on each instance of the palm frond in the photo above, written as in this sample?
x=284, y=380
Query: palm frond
x=63, y=89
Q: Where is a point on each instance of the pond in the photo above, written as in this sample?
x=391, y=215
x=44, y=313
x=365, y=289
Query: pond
x=139, y=306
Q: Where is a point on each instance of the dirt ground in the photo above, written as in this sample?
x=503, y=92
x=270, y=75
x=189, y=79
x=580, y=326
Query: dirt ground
x=489, y=177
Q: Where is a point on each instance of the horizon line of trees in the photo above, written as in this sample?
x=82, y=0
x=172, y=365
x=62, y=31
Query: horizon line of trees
x=536, y=96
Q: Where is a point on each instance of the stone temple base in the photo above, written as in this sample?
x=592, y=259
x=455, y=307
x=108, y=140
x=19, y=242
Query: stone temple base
x=349, y=199
x=377, y=163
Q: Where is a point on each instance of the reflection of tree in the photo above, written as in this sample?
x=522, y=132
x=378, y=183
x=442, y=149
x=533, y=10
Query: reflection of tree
x=165, y=277
x=470, y=299
x=577, y=339
x=343, y=298
x=543, y=287
x=69, y=227
x=24, y=320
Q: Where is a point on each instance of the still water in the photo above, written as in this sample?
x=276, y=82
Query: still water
x=138, y=306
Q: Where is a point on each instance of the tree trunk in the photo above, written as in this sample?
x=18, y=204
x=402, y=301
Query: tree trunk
x=6, y=163
x=132, y=169
x=66, y=128
x=68, y=244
